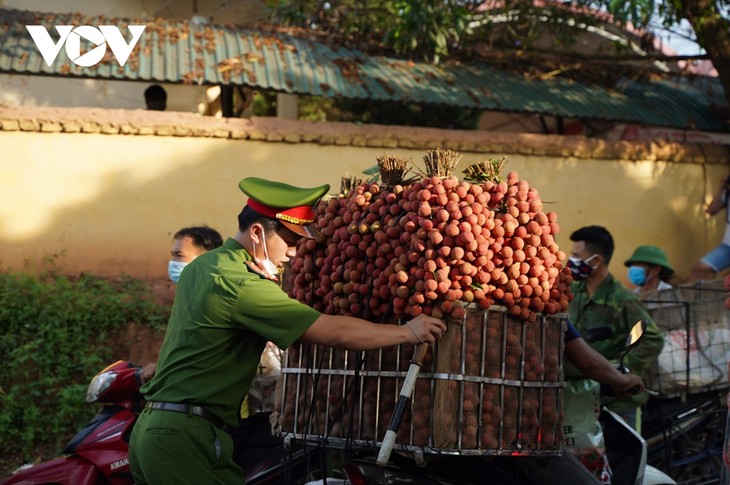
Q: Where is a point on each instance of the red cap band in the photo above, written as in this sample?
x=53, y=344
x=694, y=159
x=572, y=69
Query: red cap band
x=300, y=215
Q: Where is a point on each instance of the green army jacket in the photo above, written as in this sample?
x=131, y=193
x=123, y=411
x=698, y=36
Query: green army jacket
x=615, y=306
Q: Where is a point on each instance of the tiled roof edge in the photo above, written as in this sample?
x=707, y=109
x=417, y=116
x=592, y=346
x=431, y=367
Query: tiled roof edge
x=145, y=123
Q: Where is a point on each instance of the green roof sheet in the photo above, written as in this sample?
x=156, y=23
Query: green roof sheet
x=175, y=51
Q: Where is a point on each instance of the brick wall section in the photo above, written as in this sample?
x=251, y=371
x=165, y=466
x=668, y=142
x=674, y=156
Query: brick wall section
x=146, y=123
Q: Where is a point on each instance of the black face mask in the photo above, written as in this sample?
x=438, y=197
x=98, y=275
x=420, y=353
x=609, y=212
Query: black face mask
x=580, y=267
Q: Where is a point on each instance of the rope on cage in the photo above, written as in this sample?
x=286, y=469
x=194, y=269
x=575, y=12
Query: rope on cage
x=315, y=425
x=340, y=411
x=365, y=315
x=312, y=424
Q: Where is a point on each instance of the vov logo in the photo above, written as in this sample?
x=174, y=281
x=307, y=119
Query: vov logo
x=71, y=38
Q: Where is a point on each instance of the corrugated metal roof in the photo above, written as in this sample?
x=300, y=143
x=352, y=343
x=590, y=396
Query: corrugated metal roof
x=174, y=51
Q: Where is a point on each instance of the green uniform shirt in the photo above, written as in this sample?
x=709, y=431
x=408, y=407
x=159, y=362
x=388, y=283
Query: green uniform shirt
x=615, y=306
x=222, y=316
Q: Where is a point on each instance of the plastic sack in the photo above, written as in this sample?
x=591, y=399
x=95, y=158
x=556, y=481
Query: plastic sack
x=696, y=329
x=261, y=393
x=582, y=430
x=706, y=346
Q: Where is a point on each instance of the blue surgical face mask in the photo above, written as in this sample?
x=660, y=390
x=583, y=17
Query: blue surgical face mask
x=174, y=268
x=579, y=268
x=637, y=275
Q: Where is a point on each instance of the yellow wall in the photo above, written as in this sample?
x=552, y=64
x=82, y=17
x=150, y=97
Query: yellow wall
x=107, y=204
x=111, y=204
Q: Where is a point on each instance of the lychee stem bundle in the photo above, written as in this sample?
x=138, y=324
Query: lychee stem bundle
x=441, y=163
x=489, y=171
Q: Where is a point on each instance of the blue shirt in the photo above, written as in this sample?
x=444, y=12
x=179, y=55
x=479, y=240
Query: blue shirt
x=571, y=333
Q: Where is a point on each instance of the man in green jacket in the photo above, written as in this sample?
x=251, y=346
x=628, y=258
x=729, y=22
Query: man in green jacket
x=227, y=306
x=602, y=301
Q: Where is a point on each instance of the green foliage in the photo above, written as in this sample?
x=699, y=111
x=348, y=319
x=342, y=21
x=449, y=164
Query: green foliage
x=639, y=12
x=264, y=104
x=668, y=14
x=519, y=26
x=55, y=334
x=535, y=38
x=426, y=29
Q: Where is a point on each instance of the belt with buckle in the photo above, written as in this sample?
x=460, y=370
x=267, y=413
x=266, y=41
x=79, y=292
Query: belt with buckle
x=190, y=409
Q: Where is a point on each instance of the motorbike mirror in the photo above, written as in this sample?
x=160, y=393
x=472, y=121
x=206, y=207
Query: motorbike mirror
x=632, y=339
x=596, y=334
x=635, y=334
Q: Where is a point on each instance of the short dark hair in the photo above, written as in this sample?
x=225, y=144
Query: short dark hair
x=202, y=236
x=597, y=239
x=248, y=216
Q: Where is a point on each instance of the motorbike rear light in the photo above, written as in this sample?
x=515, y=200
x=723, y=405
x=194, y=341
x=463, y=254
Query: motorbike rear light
x=99, y=384
x=354, y=474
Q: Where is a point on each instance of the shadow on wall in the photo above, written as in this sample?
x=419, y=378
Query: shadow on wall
x=113, y=207
x=680, y=227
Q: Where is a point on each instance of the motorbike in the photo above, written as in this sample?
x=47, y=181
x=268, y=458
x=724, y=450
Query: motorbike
x=99, y=453
x=627, y=450
x=627, y=453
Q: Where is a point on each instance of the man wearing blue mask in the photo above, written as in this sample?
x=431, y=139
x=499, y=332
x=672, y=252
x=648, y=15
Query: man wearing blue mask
x=649, y=269
x=602, y=301
x=189, y=243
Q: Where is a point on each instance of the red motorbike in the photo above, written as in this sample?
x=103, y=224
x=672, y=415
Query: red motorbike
x=98, y=454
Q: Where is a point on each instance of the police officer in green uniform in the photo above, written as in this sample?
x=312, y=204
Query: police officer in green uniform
x=227, y=306
x=602, y=301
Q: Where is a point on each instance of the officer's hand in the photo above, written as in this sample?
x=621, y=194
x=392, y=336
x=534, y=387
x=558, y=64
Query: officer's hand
x=426, y=329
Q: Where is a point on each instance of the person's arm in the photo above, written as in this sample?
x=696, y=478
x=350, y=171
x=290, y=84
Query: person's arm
x=594, y=366
x=356, y=334
x=718, y=201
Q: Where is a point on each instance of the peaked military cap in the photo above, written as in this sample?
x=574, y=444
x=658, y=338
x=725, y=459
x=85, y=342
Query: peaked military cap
x=293, y=206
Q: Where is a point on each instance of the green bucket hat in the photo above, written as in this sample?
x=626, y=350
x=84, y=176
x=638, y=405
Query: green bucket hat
x=651, y=255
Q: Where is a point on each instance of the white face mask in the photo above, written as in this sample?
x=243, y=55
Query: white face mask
x=267, y=265
x=174, y=268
